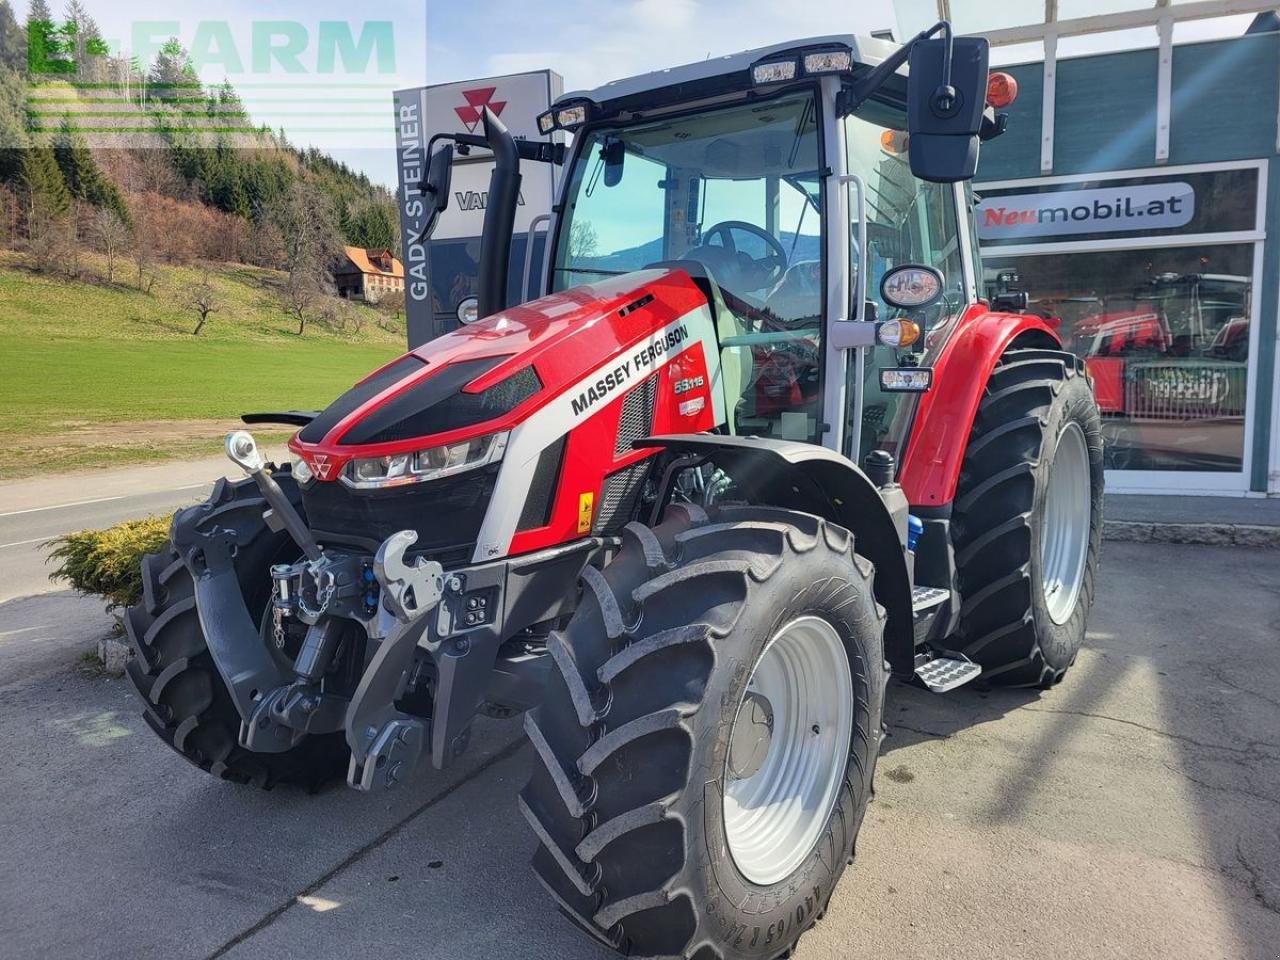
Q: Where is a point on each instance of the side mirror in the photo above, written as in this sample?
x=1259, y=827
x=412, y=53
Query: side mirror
x=435, y=189
x=614, y=153
x=946, y=94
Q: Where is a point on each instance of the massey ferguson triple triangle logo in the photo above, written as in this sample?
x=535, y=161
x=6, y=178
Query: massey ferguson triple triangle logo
x=321, y=464
x=470, y=114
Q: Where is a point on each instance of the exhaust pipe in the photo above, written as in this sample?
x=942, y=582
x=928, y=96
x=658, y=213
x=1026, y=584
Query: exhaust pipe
x=499, y=216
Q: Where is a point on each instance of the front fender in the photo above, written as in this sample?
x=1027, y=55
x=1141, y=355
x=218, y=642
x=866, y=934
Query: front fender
x=813, y=479
x=930, y=468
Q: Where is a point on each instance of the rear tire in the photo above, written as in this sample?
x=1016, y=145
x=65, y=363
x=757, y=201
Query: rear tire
x=1022, y=623
x=634, y=732
x=187, y=703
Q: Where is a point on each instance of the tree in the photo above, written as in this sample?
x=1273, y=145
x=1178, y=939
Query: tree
x=304, y=217
x=84, y=179
x=203, y=299
x=13, y=124
x=305, y=287
x=143, y=241
x=373, y=227
x=43, y=183
x=112, y=234
x=13, y=40
x=88, y=49
x=172, y=73
x=583, y=241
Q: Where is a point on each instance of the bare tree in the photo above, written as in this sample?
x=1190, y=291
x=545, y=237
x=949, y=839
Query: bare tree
x=112, y=235
x=144, y=250
x=49, y=235
x=305, y=219
x=304, y=291
x=203, y=299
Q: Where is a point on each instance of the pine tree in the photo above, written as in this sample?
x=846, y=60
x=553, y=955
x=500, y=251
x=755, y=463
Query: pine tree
x=84, y=180
x=172, y=75
x=38, y=12
x=13, y=40
x=88, y=47
x=43, y=181
x=46, y=52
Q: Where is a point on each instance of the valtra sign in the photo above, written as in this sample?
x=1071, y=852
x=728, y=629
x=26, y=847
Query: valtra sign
x=1155, y=206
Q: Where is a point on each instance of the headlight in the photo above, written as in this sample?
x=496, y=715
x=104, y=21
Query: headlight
x=377, y=473
x=301, y=470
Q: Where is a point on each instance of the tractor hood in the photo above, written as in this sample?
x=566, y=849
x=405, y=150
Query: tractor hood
x=493, y=374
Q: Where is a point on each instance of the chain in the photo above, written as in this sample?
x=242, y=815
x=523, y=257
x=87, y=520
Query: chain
x=277, y=615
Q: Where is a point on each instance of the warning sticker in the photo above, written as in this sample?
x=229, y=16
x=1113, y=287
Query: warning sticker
x=586, y=507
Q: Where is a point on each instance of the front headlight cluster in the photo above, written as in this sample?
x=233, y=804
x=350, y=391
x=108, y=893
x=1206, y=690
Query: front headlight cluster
x=378, y=473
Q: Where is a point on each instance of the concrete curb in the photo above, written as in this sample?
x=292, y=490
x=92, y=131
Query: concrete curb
x=1208, y=534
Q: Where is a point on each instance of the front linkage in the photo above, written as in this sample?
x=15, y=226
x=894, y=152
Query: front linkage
x=427, y=631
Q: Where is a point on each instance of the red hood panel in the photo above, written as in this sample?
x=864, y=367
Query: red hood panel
x=564, y=336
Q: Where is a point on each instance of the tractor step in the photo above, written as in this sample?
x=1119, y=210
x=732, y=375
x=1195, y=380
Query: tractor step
x=926, y=598
x=943, y=674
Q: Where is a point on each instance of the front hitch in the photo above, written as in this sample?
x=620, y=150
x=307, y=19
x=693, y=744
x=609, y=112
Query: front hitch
x=386, y=743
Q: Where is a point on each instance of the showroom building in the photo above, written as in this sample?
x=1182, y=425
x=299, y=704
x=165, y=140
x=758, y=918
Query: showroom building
x=1135, y=198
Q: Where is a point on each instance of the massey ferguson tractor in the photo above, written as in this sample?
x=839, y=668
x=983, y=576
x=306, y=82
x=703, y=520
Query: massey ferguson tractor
x=760, y=446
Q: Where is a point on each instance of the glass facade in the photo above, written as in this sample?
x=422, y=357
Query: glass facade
x=1165, y=335
x=1141, y=278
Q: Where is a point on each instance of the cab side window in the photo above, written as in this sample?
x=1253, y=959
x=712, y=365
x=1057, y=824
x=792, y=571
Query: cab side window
x=908, y=221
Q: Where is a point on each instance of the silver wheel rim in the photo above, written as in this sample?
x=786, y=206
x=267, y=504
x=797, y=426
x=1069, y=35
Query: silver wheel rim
x=1064, y=546
x=781, y=784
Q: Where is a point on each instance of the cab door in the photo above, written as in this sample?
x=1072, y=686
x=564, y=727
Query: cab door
x=908, y=221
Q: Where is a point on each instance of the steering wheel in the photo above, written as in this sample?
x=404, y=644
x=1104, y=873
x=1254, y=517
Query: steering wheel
x=756, y=274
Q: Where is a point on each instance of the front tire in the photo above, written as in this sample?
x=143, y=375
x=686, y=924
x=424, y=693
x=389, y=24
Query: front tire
x=1027, y=519
x=636, y=744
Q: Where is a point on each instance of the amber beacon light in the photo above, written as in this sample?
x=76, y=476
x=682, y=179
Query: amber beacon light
x=1002, y=90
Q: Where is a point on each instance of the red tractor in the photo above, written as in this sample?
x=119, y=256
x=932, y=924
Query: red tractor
x=632, y=510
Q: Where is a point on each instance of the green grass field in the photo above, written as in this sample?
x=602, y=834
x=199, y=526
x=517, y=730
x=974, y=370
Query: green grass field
x=95, y=375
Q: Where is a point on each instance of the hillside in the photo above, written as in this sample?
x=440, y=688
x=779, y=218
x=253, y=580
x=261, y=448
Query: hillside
x=98, y=374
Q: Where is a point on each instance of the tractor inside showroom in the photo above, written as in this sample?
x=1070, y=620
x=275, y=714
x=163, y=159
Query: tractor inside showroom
x=760, y=446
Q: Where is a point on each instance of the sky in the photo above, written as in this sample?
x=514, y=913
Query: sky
x=588, y=42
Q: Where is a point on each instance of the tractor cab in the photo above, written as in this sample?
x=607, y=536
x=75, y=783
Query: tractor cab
x=783, y=183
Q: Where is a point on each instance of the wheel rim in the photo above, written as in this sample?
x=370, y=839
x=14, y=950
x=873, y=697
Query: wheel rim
x=781, y=778
x=1064, y=546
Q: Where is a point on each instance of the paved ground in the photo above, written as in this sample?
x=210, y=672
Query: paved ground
x=1133, y=812
x=1139, y=508
x=36, y=510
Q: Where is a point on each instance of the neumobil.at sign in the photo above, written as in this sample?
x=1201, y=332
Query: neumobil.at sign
x=1155, y=206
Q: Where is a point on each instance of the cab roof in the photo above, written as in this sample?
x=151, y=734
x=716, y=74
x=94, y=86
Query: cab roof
x=692, y=80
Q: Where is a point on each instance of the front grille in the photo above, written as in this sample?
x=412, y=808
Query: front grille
x=446, y=514
x=636, y=421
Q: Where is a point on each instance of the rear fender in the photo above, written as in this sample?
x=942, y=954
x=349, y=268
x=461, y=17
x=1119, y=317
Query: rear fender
x=813, y=479
x=930, y=468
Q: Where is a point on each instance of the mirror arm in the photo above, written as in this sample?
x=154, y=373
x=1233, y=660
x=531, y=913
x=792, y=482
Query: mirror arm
x=853, y=96
x=536, y=151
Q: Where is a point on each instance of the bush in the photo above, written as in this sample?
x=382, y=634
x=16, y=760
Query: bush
x=107, y=562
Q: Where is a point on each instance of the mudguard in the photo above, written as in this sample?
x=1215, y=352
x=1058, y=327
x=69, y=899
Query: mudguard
x=813, y=479
x=930, y=468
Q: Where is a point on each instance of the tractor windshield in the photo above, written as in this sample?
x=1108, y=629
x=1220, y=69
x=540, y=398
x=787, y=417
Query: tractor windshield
x=738, y=190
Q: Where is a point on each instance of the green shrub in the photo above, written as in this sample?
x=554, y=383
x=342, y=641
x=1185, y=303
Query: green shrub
x=106, y=562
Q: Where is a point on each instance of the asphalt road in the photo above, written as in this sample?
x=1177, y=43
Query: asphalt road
x=1132, y=812
x=34, y=511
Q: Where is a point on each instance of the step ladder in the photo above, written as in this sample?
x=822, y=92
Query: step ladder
x=943, y=674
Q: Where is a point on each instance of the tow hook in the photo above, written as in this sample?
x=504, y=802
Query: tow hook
x=385, y=743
